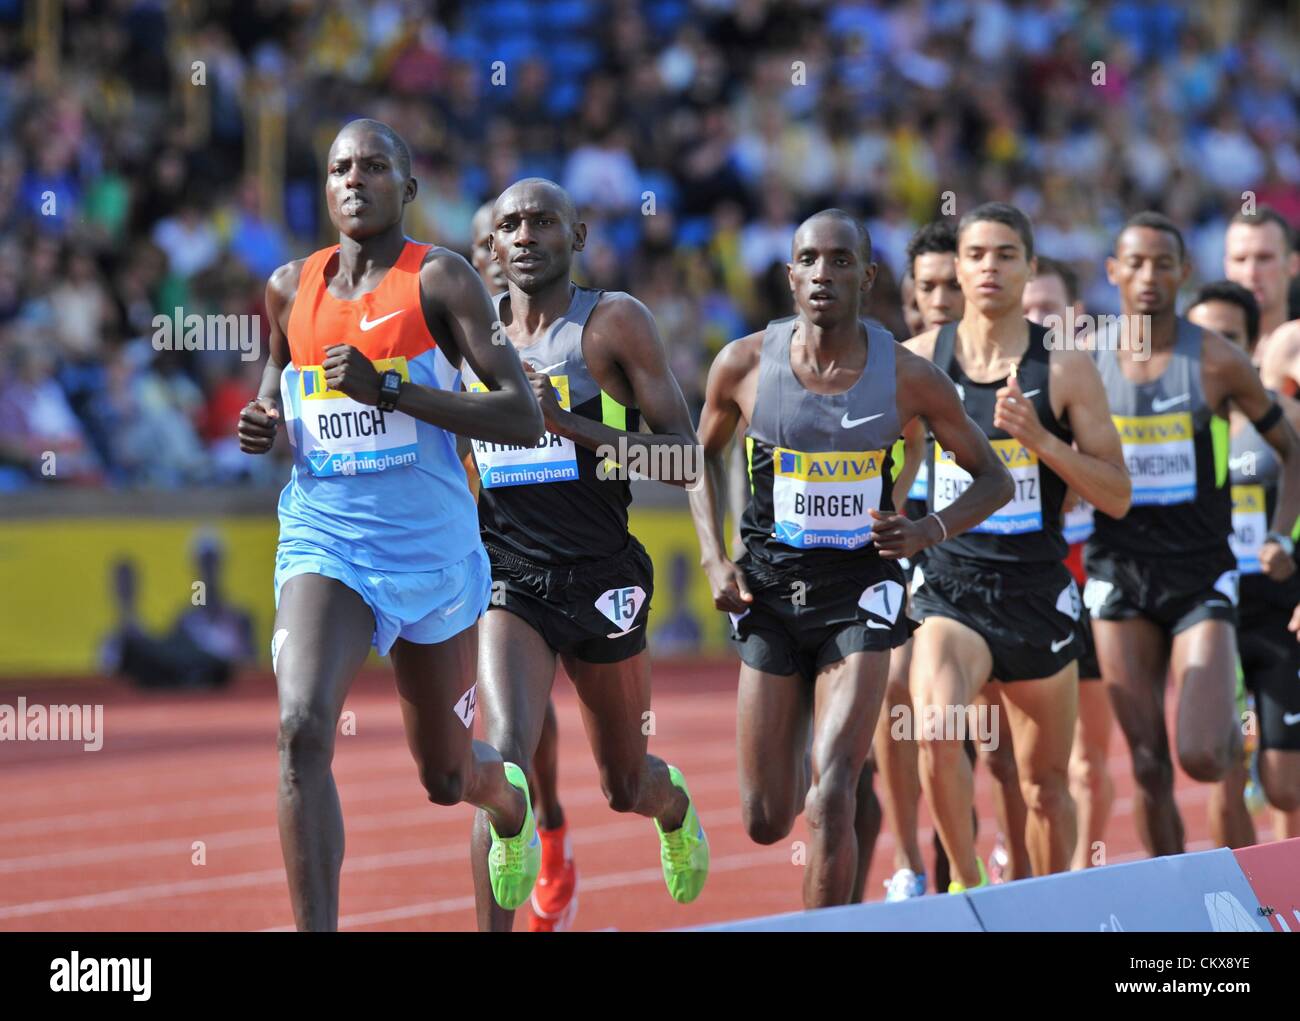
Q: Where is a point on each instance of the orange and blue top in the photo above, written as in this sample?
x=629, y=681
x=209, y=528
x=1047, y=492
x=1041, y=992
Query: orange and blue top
x=381, y=489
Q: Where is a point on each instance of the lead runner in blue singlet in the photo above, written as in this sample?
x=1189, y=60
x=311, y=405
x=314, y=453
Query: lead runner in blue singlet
x=379, y=541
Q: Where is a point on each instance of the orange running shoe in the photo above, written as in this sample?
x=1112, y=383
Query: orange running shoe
x=555, y=896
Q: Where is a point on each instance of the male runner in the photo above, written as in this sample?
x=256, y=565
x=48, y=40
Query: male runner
x=555, y=899
x=932, y=255
x=1162, y=582
x=998, y=604
x=907, y=295
x=1270, y=593
x=568, y=579
x=378, y=540
x=817, y=599
x=1051, y=299
x=1259, y=254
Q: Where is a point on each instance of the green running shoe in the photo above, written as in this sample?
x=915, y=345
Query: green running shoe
x=513, y=862
x=956, y=887
x=684, y=852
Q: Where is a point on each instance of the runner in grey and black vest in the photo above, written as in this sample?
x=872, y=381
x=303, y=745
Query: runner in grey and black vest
x=817, y=462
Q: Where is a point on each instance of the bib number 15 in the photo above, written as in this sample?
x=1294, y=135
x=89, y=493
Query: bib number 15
x=621, y=605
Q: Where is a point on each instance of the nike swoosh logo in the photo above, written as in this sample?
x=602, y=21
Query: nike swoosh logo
x=557, y=365
x=849, y=423
x=1058, y=646
x=1291, y=719
x=448, y=613
x=367, y=325
x=878, y=627
x=1164, y=405
x=1034, y=393
x=620, y=634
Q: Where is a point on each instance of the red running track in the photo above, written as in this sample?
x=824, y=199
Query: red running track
x=172, y=824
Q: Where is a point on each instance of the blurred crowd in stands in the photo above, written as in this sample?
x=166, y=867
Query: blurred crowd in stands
x=156, y=156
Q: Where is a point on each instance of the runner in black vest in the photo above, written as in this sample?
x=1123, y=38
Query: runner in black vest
x=568, y=581
x=1051, y=299
x=1270, y=595
x=998, y=604
x=817, y=600
x=1162, y=582
x=554, y=898
x=935, y=298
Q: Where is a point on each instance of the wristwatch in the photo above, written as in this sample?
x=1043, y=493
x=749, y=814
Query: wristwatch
x=390, y=388
x=1288, y=546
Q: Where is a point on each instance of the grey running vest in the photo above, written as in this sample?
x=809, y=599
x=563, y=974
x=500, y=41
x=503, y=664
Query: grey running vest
x=818, y=462
x=546, y=502
x=1176, y=452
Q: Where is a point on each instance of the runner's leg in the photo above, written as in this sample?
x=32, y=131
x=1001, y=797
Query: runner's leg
x=326, y=628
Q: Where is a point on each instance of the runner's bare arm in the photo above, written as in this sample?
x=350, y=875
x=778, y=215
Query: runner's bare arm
x=1280, y=367
x=719, y=420
x=1093, y=468
x=259, y=418
x=1228, y=370
x=913, y=455
x=624, y=352
x=459, y=313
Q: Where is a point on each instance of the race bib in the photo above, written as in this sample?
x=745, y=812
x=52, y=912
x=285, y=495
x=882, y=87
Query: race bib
x=1160, y=457
x=345, y=437
x=822, y=500
x=1249, y=526
x=1022, y=513
x=552, y=459
x=921, y=484
x=1077, y=524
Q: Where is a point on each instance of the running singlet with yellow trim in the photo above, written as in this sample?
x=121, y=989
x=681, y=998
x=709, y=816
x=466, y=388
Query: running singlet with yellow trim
x=1027, y=529
x=1176, y=450
x=381, y=489
x=548, y=502
x=819, y=462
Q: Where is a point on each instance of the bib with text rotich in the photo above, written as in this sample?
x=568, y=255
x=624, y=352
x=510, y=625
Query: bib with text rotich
x=552, y=459
x=822, y=500
x=1160, y=455
x=345, y=437
x=1022, y=513
x=1249, y=526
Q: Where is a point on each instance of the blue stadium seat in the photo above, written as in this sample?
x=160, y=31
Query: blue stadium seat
x=573, y=58
x=664, y=16
x=694, y=232
x=664, y=187
x=567, y=15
